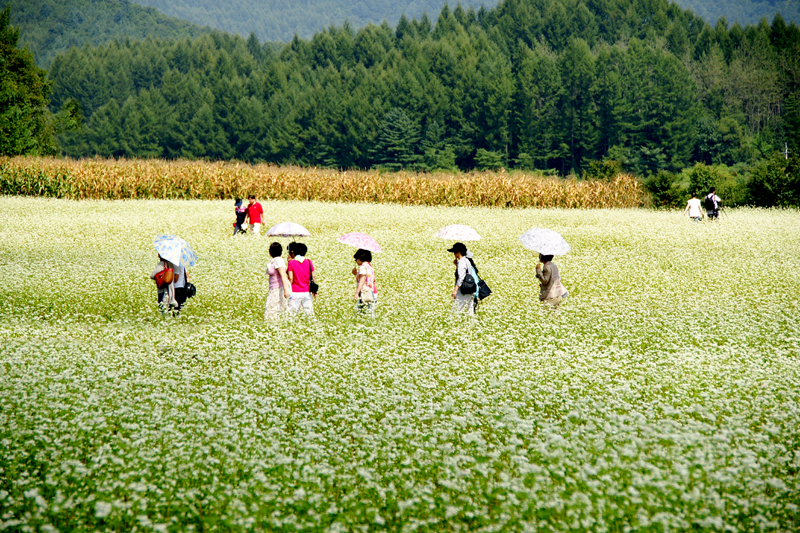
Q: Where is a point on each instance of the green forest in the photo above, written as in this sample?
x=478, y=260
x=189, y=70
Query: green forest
x=48, y=27
x=561, y=86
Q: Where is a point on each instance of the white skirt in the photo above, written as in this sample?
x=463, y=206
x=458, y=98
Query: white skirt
x=276, y=304
x=463, y=303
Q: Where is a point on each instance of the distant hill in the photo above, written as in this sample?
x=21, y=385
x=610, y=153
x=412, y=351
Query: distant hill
x=48, y=27
x=743, y=11
x=280, y=20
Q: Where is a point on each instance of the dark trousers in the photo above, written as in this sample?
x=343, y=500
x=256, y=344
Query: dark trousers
x=180, y=297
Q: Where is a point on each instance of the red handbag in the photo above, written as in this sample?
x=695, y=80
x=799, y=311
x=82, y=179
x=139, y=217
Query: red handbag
x=164, y=277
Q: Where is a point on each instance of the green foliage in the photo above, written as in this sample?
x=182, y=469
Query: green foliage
x=775, y=182
x=26, y=126
x=731, y=185
x=398, y=142
x=647, y=105
x=50, y=27
x=486, y=160
x=666, y=188
x=607, y=169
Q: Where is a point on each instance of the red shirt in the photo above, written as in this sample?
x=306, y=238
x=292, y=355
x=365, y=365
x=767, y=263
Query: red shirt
x=254, y=212
x=302, y=274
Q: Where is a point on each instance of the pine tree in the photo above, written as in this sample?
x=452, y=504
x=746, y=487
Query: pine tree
x=397, y=144
x=577, y=76
x=536, y=104
x=25, y=122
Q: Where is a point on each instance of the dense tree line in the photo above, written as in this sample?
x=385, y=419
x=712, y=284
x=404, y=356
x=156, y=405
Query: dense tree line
x=26, y=124
x=565, y=85
x=48, y=27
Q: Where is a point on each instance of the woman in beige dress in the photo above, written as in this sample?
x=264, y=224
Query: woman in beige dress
x=551, y=291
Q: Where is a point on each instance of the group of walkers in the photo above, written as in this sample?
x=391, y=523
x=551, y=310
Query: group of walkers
x=293, y=285
x=711, y=202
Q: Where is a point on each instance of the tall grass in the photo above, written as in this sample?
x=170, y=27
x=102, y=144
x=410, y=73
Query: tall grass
x=140, y=179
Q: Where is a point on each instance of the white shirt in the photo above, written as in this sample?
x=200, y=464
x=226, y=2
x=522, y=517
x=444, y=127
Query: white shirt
x=694, y=208
x=180, y=272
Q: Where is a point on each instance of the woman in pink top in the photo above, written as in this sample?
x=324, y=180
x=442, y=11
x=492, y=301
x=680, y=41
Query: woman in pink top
x=300, y=272
x=279, y=288
x=366, y=293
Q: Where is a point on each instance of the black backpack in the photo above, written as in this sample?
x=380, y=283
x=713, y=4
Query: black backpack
x=468, y=285
x=709, y=203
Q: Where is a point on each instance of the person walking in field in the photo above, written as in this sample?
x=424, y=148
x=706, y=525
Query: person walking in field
x=301, y=276
x=254, y=212
x=465, y=290
x=366, y=295
x=241, y=216
x=712, y=203
x=693, y=208
x=551, y=291
x=164, y=276
x=279, y=287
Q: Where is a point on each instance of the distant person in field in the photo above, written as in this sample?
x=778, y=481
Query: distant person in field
x=551, y=291
x=301, y=276
x=465, y=290
x=713, y=204
x=241, y=215
x=164, y=276
x=254, y=212
x=279, y=287
x=693, y=208
x=471, y=258
x=366, y=295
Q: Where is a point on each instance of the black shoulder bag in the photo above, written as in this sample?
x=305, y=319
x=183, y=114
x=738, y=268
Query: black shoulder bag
x=313, y=288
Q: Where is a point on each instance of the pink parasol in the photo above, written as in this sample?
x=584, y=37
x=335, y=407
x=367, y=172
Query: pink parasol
x=360, y=240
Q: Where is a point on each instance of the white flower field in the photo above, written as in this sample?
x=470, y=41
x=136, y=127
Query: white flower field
x=663, y=396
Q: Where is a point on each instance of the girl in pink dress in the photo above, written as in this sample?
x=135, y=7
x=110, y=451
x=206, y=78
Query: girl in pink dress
x=366, y=295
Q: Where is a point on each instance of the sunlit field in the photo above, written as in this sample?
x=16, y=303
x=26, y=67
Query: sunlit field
x=663, y=396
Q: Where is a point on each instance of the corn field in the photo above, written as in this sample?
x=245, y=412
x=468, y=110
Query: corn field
x=159, y=179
